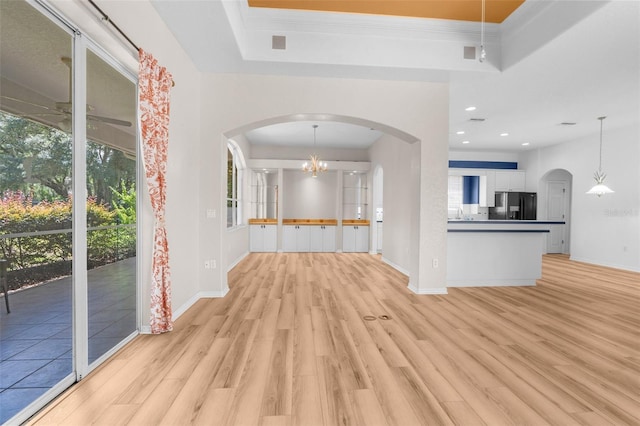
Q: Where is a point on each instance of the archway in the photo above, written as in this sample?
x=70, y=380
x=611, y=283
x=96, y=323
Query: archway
x=554, y=205
x=409, y=260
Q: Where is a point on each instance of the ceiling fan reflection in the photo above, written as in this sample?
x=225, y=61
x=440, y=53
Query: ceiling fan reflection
x=65, y=109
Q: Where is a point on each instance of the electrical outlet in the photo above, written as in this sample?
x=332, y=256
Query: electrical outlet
x=435, y=262
x=211, y=213
x=207, y=264
x=213, y=264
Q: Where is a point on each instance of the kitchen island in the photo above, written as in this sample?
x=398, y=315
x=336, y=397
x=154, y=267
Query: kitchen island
x=495, y=252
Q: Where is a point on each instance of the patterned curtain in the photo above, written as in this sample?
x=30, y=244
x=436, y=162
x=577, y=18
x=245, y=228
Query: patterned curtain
x=154, y=86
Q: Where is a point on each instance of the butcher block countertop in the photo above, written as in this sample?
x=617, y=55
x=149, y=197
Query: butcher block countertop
x=311, y=222
x=363, y=222
x=263, y=221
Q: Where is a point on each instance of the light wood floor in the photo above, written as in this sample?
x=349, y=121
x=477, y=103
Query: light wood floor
x=289, y=346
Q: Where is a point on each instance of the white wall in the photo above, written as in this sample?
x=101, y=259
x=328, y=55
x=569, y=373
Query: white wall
x=394, y=156
x=604, y=230
x=417, y=108
x=306, y=197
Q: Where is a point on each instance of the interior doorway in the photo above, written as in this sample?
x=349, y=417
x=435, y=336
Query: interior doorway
x=556, y=205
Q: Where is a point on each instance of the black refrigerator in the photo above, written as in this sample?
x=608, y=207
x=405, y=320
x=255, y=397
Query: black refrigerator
x=514, y=206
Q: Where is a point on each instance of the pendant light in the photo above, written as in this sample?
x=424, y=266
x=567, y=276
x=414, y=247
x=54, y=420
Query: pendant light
x=600, y=188
x=483, y=53
x=314, y=165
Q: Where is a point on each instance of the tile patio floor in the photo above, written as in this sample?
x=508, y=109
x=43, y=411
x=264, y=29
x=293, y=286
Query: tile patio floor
x=35, y=338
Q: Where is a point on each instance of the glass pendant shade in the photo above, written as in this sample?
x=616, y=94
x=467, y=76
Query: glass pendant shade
x=600, y=189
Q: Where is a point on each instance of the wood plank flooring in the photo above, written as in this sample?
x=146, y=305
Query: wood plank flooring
x=289, y=346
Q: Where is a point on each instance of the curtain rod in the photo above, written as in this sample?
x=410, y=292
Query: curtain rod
x=106, y=18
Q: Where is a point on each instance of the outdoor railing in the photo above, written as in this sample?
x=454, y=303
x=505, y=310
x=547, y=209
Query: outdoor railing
x=38, y=256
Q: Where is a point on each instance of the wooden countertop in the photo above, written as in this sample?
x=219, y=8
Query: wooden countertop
x=363, y=222
x=310, y=222
x=263, y=221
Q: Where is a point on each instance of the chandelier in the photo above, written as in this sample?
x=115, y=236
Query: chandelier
x=314, y=165
x=600, y=188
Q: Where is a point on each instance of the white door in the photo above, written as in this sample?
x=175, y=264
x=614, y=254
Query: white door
x=329, y=239
x=302, y=238
x=256, y=238
x=556, y=212
x=315, y=239
x=270, y=238
x=362, y=239
x=348, y=239
x=289, y=238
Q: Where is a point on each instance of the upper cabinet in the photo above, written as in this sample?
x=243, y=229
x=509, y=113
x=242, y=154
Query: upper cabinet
x=264, y=194
x=510, y=180
x=354, y=196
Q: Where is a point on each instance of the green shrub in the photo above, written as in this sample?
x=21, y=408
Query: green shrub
x=18, y=215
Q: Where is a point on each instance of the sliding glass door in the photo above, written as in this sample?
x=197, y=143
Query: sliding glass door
x=111, y=206
x=67, y=133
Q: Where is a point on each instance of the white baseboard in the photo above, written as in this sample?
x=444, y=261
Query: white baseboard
x=429, y=290
x=605, y=264
x=492, y=283
x=394, y=266
x=145, y=329
x=213, y=294
x=238, y=260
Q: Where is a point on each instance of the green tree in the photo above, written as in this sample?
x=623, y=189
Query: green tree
x=124, y=203
x=33, y=156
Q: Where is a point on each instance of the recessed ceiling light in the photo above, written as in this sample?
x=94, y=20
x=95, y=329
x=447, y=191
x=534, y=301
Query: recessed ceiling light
x=470, y=108
x=525, y=144
x=504, y=134
x=460, y=132
x=465, y=142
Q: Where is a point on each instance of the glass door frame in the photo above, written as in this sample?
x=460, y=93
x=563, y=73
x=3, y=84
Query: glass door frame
x=79, y=305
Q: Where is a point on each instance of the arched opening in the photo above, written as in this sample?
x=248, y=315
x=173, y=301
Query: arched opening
x=284, y=165
x=554, y=205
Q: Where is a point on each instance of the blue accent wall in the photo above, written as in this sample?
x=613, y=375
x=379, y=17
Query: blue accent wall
x=504, y=165
x=471, y=190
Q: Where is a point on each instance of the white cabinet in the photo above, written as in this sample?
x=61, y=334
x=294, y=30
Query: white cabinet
x=295, y=238
x=488, y=189
x=263, y=238
x=510, y=180
x=322, y=238
x=355, y=238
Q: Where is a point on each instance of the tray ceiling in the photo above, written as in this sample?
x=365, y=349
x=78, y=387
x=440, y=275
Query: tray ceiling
x=496, y=11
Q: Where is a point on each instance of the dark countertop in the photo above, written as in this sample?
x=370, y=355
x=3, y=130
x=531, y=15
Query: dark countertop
x=507, y=222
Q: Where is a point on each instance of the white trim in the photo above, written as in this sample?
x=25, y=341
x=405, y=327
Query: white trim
x=213, y=294
x=605, y=264
x=189, y=303
x=430, y=290
x=492, y=283
x=238, y=260
x=80, y=309
x=394, y=266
